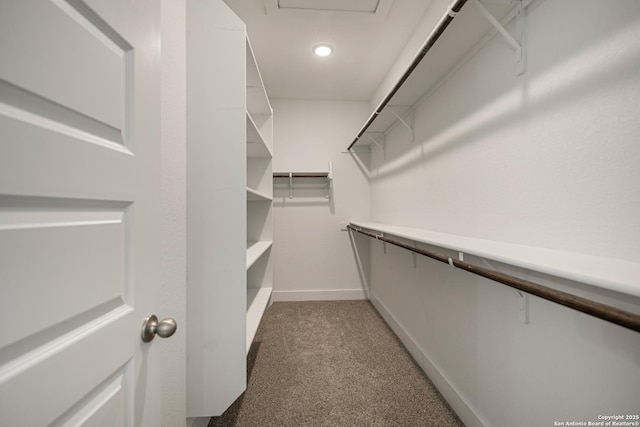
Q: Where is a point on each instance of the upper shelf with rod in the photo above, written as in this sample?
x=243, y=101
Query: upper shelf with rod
x=467, y=30
x=328, y=175
x=605, y=273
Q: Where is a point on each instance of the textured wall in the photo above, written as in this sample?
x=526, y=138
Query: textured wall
x=546, y=159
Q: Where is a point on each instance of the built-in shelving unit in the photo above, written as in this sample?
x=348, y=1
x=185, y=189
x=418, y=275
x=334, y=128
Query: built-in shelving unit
x=259, y=197
x=464, y=28
x=229, y=206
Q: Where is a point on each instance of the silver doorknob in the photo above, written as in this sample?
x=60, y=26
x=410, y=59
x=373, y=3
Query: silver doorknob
x=150, y=327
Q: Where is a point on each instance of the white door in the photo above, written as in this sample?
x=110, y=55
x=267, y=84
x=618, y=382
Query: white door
x=79, y=200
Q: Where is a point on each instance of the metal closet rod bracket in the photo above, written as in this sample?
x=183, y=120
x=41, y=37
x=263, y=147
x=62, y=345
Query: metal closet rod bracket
x=291, y=185
x=329, y=180
x=515, y=42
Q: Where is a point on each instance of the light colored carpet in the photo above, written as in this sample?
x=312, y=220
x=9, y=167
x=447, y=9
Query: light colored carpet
x=333, y=363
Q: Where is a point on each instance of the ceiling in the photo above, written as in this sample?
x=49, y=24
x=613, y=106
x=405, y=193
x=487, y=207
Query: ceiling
x=367, y=36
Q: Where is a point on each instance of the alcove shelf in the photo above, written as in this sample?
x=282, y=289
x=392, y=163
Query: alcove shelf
x=464, y=28
x=291, y=176
x=301, y=174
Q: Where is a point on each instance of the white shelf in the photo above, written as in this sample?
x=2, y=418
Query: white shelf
x=256, y=195
x=608, y=273
x=259, y=128
x=257, y=99
x=255, y=250
x=256, y=145
x=302, y=175
x=257, y=302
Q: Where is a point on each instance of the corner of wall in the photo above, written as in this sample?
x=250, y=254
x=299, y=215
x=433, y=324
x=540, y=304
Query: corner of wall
x=437, y=377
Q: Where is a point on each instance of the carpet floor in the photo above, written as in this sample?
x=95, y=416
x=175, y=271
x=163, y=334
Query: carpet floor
x=333, y=363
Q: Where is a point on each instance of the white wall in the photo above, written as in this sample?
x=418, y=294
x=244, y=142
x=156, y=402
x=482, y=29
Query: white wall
x=405, y=57
x=313, y=259
x=547, y=159
x=173, y=181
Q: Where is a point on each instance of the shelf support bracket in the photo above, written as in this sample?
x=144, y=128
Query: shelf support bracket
x=375, y=141
x=291, y=185
x=329, y=180
x=518, y=44
x=401, y=120
x=523, y=307
x=415, y=257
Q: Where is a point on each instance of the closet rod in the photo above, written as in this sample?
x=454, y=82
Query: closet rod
x=301, y=174
x=444, y=22
x=593, y=308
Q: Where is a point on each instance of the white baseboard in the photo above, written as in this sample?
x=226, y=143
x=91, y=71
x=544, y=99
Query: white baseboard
x=319, y=295
x=439, y=380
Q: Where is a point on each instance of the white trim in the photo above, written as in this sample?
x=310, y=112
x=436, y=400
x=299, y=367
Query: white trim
x=439, y=380
x=320, y=295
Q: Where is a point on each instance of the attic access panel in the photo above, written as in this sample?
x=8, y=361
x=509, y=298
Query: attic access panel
x=375, y=9
x=331, y=5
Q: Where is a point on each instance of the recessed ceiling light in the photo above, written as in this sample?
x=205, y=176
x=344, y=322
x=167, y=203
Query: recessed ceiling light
x=323, y=49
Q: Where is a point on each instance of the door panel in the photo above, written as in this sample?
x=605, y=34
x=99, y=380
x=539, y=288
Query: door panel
x=91, y=267
x=104, y=406
x=54, y=39
x=79, y=201
x=51, y=381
